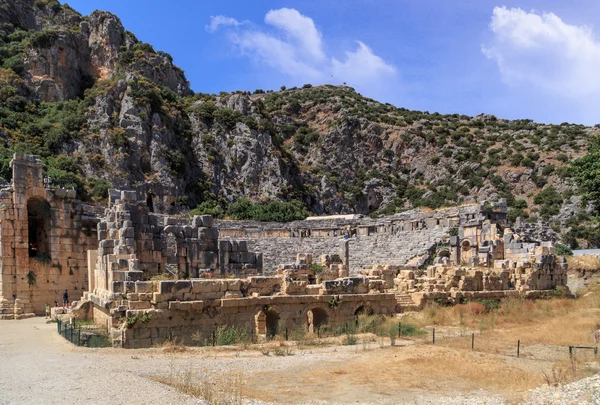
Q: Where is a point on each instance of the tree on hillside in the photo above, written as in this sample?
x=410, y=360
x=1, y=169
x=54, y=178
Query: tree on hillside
x=587, y=174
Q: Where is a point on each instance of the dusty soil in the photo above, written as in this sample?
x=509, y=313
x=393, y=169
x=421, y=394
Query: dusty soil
x=38, y=366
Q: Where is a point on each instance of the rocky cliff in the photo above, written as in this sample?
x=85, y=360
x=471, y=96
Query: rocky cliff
x=104, y=109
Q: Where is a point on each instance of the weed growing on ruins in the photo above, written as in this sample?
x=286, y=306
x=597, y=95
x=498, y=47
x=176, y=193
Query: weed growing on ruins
x=132, y=320
x=43, y=258
x=317, y=268
x=231, y=335
x=31, y=278
x=334, y=303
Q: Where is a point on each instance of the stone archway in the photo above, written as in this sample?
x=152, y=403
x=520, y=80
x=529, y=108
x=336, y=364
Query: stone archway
x=363, y=309
x=266, y=321
x=316, y=318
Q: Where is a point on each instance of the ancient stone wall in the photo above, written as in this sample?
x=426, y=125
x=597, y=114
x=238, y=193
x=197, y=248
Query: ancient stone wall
x=44, y=238
x=152, y=312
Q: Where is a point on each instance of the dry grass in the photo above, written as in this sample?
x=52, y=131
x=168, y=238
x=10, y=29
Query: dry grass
x=393, y=372
x=587, y=262
x=217, y=390
x=545, y=329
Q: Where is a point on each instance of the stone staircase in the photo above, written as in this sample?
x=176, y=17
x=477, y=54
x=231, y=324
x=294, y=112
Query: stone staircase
x=365, y=251
x=405, y=303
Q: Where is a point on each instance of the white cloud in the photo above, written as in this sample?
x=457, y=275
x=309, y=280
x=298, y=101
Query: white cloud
x=295, y=47
x=361, y=65
x=221, y=20
x=543, y=51
x=301, y=31
x=268, y=50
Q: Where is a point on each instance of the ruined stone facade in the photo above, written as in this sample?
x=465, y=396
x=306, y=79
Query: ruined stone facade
x=136, y=246
x=44, y=238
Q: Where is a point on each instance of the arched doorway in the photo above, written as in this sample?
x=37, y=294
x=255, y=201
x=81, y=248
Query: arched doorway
x=38, y=220
x=316, y=318
x=267, y=321
x=363, y=310
x=272, y=324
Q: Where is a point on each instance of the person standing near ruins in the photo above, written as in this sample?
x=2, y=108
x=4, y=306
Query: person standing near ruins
x=47, y=311
x=66, y=299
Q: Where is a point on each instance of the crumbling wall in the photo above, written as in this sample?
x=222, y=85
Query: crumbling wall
x=136, y=245
x=44, y=237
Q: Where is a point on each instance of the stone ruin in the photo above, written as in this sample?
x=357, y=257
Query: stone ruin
x=215, y=282
x=45, y=233
x=150, y=277
x=484, y=263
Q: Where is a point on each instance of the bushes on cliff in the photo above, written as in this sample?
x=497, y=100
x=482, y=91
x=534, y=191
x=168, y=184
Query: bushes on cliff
x=549, y=202
x=244, y=209
x=587, y=174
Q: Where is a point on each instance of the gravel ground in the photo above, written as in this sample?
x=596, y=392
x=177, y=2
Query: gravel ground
x=38, y=366
x=585, y=391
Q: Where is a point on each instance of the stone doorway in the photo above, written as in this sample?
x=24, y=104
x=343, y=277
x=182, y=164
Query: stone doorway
x=267, y=322
x=316, y=318
x=38, y=220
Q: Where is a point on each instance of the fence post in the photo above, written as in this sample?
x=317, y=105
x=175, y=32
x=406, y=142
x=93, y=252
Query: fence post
x=78, y=337
x=319, y=332
x=214, y=337
x=473, y=341
x=286, y=333
x=399, y=329
x=433, y=335
x=518, y=348
x=71, y=333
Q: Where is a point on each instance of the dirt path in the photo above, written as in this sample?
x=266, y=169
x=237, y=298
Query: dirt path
x=39, y=366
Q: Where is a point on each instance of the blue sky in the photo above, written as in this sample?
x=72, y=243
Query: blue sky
x=514, y=59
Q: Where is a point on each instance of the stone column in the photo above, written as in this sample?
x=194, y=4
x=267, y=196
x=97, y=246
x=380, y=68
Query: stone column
x=345, y=253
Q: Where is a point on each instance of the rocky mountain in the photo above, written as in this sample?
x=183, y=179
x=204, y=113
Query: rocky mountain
x=104, y=109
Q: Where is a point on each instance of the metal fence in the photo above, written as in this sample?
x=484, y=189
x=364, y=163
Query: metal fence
x=88, y=337
x=69, y=332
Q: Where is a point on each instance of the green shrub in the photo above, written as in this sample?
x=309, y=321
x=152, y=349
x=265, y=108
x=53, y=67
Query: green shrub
x=43, y=39
x=227, y=117
x=549, y=201
x=209, y=207
x=98, y=188
x=562, y=250
x=276, y=211
x=231, y=335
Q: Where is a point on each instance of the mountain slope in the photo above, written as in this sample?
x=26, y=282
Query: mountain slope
x=104, y=109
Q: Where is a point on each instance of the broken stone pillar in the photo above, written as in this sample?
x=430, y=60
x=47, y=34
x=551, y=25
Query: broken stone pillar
x=345, y=253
